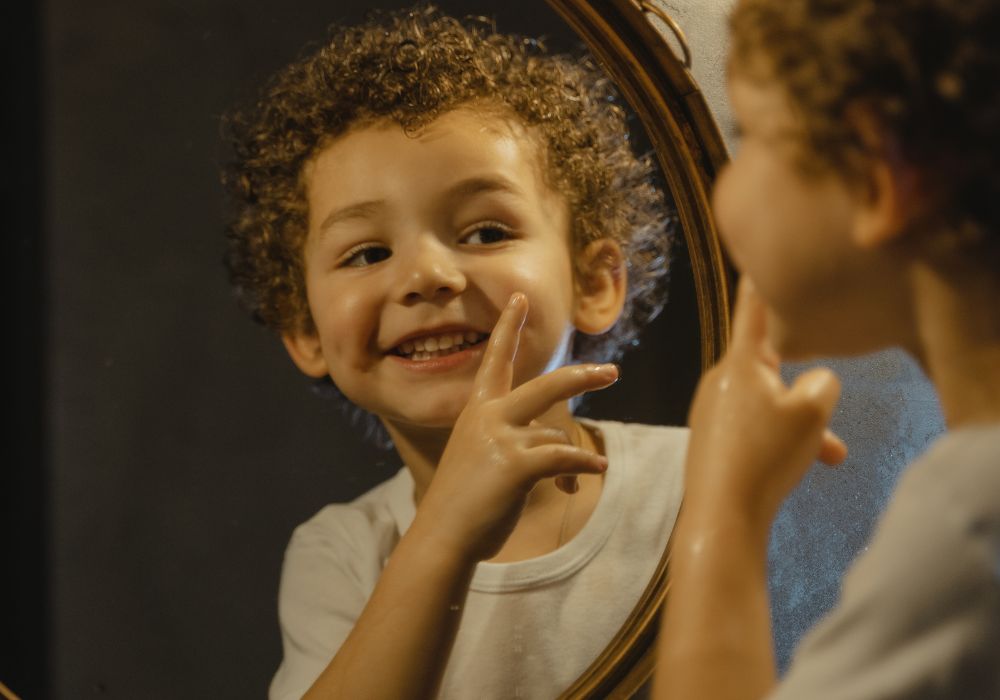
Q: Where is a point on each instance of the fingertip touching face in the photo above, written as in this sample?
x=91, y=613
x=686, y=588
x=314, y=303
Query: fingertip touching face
x=793, y=231
x=414, y=245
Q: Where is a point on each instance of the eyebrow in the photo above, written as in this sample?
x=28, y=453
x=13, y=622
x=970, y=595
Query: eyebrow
x=360, y=210
x=478, y=185
x=465, y=188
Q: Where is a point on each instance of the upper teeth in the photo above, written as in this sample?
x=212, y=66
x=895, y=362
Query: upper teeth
x=445, y=341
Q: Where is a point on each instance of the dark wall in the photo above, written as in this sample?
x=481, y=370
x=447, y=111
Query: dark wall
x=23, y=487
x=181, y=445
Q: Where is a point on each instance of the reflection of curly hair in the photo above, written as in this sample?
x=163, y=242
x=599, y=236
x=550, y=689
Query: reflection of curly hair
x=926, y=70
x=410, y=67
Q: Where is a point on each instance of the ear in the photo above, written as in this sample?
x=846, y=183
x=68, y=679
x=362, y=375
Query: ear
x=892, y=194
x=306, y=352
x=882, y=214
x=600, y=288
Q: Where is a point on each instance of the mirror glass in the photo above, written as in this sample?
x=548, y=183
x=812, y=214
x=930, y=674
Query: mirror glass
x=182, y=446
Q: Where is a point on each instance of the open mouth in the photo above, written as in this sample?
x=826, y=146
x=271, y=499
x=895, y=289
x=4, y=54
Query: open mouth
x=431, y=346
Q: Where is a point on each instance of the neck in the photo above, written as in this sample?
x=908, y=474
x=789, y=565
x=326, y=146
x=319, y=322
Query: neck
x=421, y=448
x=959, y=331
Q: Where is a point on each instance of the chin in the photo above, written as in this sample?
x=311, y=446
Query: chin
x=441, y=416
x=811, y=341
x=788, y=346
x=798, y=342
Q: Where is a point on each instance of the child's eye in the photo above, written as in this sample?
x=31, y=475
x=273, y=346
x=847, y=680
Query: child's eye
x=487, y=233
x=362, y=256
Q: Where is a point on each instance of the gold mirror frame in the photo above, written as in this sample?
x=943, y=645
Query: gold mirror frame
x=690, y=150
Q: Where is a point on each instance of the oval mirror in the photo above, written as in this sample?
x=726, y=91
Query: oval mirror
x=170, y=447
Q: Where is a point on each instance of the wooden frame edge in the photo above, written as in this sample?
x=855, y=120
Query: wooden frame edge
x=690, y=151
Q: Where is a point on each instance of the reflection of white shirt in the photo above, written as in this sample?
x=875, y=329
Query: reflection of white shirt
x=919, y=615
x=529, y=628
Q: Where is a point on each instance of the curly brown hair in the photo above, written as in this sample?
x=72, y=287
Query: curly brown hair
x=926, y=72
x=410, y=67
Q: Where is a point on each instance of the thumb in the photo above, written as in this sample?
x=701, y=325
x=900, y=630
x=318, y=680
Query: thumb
x=832, y=450
x=817, y=391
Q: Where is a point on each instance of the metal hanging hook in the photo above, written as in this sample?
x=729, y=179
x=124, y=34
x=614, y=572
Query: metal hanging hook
x=648, y=7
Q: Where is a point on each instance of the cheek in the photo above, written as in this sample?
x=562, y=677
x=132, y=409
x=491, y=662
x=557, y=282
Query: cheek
x=549, y=286
x=344, y=316
x=755, y=218
x=544, y=275
x=549, y=326
x=729, y=206
x=547, y=280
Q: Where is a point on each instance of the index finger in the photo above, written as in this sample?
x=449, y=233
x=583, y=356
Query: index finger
x=750, y=325
x=538, y=395
x=497, y=369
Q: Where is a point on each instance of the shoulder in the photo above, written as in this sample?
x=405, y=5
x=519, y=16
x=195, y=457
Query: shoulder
x=962, y=471
x=643, y=437
x=949, y=502
x=940, y=535
x=349, y=539
x=649, y=461
x=657, y=449
x=924, y=599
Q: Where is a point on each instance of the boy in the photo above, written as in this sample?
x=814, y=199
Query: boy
x=450, y=226
x=862, y=204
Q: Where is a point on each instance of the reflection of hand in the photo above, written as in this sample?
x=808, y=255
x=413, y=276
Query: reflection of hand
x=400, y=644
x=496, y=452
x=752, y=437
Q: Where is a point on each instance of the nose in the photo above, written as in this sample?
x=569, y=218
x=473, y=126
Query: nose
x=429, y=270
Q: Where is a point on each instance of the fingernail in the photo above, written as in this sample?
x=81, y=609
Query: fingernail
x=514, y=299
x=602, y=463
x=609, y=368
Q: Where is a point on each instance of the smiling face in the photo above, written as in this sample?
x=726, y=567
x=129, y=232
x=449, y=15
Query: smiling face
x=414, y=246
x=803, y=238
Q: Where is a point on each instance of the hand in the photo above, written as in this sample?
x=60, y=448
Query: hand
x=752, y=437
x=496, y=454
